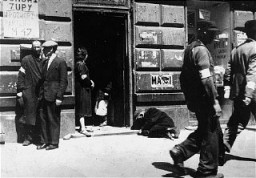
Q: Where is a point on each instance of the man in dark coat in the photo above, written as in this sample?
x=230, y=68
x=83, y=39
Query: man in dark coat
x=28, y=87
x=198, y=84
x=154, y=123
x=240, y=84
x=54, y=86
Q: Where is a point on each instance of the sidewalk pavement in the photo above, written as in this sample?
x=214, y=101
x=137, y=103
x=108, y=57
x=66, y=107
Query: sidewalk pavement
x=124, y=154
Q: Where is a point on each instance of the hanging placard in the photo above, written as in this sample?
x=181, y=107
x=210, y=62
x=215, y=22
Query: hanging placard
x=20, y=18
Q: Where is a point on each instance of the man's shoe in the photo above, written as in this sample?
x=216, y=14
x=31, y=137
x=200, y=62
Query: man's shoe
x=51, y=147
x=40, y=147
x=177, y=157
x=26, y=143
x=201, y=175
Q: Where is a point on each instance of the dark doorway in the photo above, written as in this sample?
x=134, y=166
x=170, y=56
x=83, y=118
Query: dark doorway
x=104, y=36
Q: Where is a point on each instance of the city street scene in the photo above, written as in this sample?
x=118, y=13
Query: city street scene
x=123, y=154
x=128, y=88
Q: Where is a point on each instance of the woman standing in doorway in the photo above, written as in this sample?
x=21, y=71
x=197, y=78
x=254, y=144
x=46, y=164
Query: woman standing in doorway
x=83, y=89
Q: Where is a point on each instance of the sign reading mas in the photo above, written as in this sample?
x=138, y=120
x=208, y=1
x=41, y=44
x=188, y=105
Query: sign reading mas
x=20, y=18
x=162, y=81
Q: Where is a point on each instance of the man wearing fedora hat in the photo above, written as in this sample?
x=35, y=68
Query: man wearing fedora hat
x=240, y=84
x=28, y=87
x=198, y=85
x=54, y=86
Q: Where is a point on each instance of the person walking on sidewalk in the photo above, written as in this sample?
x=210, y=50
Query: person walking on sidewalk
x=54, y=86
x=28, y=87
x=198, y=84
x=240, y=84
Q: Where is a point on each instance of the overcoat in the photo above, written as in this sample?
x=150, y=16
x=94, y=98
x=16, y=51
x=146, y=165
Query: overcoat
x=29, y=83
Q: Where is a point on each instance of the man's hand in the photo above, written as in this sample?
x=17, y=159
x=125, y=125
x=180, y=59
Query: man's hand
x=19, y=94
x=58, y=102
x=93, y=84
x=217, y=108
x=247, y=101
x=83, y=76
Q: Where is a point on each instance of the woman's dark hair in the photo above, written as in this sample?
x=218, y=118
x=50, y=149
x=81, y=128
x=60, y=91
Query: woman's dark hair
x=81, y=52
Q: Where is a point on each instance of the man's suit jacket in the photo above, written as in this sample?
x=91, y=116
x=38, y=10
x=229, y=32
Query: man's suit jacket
x=241, y=70
x=55, y=79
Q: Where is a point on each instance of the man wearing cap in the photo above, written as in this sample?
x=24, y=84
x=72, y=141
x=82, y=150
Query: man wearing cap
x=54, y=86
x=28, y=87
x=198, y=84
x=240, y=84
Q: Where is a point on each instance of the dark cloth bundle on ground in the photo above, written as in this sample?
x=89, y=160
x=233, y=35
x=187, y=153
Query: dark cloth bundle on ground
x=154, y=123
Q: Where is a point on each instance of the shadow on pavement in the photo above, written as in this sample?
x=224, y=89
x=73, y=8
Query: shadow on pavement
x=175, y=172
x=233, y=157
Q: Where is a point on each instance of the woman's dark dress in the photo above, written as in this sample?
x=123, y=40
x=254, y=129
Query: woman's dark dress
x=83, y=91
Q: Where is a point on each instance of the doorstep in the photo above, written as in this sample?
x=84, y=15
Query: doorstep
x=96, y=131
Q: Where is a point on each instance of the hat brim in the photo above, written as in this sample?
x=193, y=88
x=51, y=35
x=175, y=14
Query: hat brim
x=242, y=29
x=213, y=29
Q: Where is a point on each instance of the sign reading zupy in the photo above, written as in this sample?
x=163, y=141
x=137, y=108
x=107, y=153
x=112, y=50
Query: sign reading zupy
x=20, y=18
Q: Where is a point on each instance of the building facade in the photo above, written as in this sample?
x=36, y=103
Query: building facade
x=137, y=46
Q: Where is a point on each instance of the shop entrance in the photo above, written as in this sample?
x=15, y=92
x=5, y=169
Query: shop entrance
x=104, y=36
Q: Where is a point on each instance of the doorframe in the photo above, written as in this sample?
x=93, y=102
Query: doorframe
x=123, y=11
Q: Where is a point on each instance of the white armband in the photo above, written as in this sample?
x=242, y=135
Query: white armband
x=22, y=70
x=205, y=73
x=251, y=85
x=227, y=87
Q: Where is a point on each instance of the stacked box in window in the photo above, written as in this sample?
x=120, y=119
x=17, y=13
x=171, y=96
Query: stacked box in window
x=148, y=36
x=157, y=81
x=240, y=17
x=172, y=16
x=239, y=37
x=171, y=59
x=147, y=59
x=147, y=13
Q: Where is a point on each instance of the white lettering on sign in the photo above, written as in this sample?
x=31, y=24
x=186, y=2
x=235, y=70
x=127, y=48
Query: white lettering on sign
x=161, y=81
x=147, y=55
x=20, y=18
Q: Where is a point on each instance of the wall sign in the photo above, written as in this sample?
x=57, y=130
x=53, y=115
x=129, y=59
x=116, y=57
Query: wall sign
x=20, y=18
x=161, y=81
x=204, y=14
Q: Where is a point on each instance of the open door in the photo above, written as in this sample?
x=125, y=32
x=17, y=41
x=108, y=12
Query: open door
x=104, y=36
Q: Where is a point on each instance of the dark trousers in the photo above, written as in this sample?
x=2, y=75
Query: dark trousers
x=50, y=123
x=238, y=120
x=33, y=133
x=204, y=140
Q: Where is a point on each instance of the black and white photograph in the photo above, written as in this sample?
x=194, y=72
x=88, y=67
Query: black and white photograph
x=128, y=88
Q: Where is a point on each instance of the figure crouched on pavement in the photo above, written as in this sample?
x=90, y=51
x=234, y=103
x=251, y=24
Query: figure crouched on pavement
x=28, y=87
x=154, y=123
x=198, y=85
x=240, y=85
x=54, y=86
